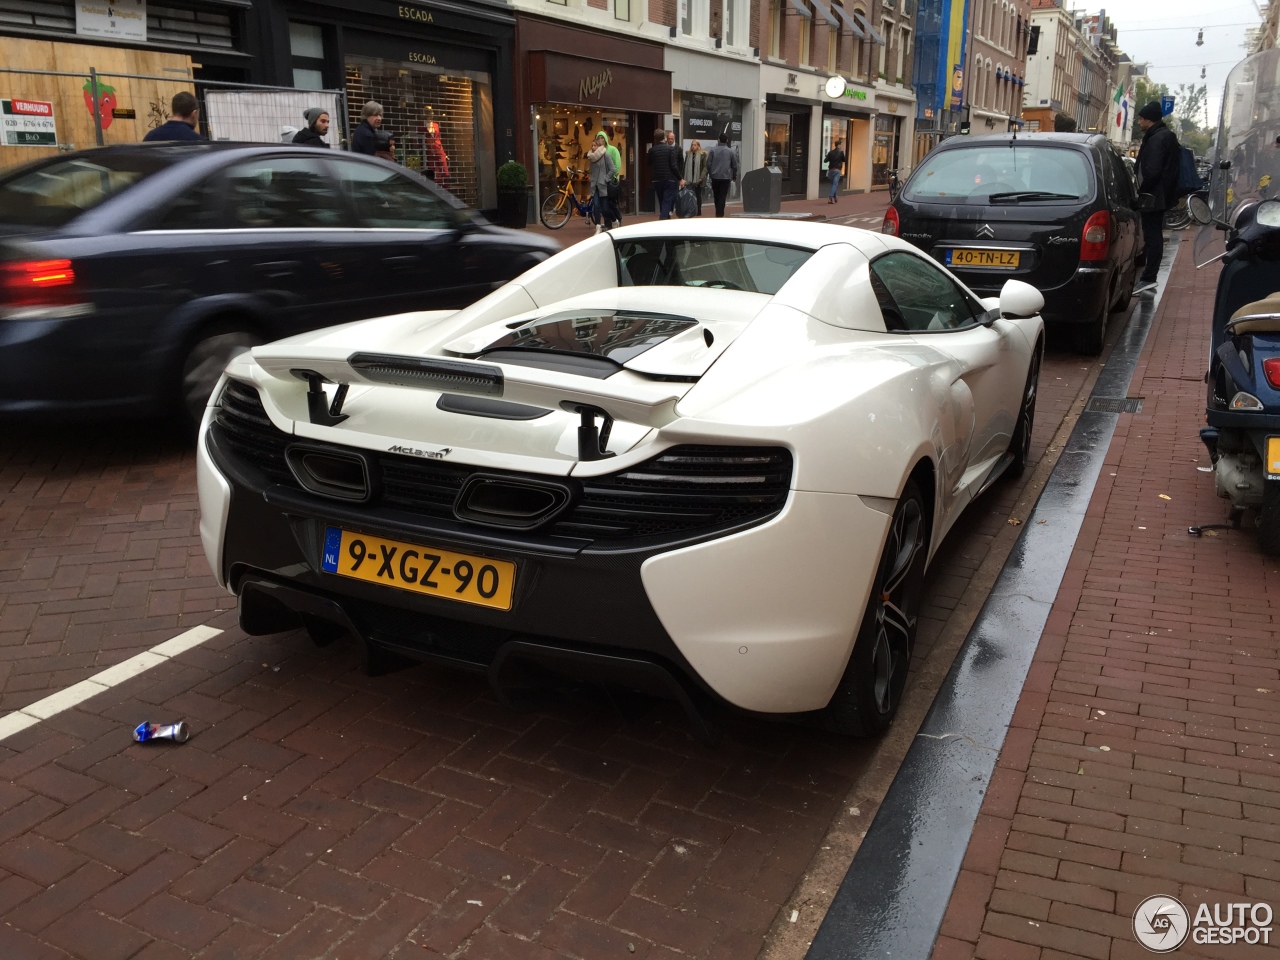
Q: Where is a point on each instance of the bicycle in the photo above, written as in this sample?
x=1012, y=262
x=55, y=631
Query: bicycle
x=895, y=185
x=558, y=207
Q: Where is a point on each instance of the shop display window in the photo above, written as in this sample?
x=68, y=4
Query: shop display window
x=565, y=134
x=441, y=118
x=834, y=129
x=884, y=149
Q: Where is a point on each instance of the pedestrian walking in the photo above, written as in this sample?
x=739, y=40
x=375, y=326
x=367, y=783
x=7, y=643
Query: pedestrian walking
x=365, y=138
x=665, y=168
x=835, y=169
x=385, y=143
x=602, y=174
x=615, y=186
x=181, y=125
x=695, y=171
x=1158, y=160
x=722, y=168
x=313, y=134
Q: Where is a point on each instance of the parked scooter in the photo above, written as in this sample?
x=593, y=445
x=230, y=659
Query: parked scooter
x=1243, y=380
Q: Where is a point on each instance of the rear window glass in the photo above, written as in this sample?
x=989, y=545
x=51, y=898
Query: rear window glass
x=973, y=174
x=55, y=194
x=718, y=264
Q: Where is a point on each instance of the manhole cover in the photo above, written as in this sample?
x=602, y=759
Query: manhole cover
x=1114, y=405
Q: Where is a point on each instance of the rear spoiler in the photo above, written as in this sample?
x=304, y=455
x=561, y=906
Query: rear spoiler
x=633, y=398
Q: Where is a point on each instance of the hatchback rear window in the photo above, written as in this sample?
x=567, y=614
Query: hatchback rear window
x=1012, y=172
x=54, y=194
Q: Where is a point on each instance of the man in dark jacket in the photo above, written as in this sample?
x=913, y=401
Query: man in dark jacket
x=182, y=120
x=365, y=138
x=312, y=135
x=1157, y=165
x=722, y=166
x=664, y=164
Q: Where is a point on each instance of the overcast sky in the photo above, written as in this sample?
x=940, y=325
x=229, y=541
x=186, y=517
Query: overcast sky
x=1164, y=35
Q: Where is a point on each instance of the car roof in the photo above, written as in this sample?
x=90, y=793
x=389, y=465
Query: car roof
x=1074, y=139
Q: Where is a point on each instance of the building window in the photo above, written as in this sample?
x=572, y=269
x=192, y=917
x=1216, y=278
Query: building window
x=730, y=21
x=306, y=49
x=622, y=9
x=775, y=28
x=859, y=67
x=904, y=51
x=887, y=31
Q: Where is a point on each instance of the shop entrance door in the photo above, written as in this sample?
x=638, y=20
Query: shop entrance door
x=796, y=181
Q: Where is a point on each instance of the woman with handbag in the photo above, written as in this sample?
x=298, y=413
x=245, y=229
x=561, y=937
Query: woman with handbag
x=695, y=172
x=602, y=174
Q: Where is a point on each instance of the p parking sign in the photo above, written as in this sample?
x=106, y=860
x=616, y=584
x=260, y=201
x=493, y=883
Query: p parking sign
x=1166, y=106
x=27, y=123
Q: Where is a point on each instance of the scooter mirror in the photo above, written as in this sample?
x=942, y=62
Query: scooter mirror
x=1268, y=214
x=1198, y=207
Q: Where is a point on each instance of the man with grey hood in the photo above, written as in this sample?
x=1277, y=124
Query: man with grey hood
x=313, y=134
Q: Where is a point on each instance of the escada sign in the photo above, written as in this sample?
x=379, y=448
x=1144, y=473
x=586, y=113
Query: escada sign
x=593, y=86
x=414, y=13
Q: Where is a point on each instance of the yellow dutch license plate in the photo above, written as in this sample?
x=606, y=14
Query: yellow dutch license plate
x=419, y=569
x=1273, y=456
x=1002, y=259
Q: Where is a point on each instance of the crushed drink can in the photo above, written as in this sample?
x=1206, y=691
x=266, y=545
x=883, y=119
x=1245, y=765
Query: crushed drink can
x=161, y=731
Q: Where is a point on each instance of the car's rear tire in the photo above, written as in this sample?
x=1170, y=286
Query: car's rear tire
x=867, y=697
x=1020, y=445
x=1090, y=337
x=1269, y=519
x=555, y=211
x=1126, y=291
x=204, y=358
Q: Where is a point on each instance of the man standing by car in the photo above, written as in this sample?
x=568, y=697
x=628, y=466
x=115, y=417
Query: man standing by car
x=722, y=167
x=312, y=135
x=365, y=138
x=182, y=121
x=1157, y=181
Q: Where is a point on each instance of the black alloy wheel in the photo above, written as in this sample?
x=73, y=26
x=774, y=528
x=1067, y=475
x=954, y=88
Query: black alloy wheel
x=1020, y=444
x=205, y=358
x=1091, y=336
x=867, y=698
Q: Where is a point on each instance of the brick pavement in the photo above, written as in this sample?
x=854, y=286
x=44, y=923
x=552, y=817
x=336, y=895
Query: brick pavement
x=1141, y=759
x=317, y=812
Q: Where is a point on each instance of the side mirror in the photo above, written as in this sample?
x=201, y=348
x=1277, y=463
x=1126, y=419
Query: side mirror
x=1268, y=214
x=1020, y=300
x=1198, y=207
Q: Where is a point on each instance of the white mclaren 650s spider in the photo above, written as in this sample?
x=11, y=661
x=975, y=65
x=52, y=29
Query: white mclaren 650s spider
x=704, y=459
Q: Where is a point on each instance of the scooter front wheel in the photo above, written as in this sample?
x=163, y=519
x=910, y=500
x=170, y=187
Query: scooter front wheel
x=1269, y=519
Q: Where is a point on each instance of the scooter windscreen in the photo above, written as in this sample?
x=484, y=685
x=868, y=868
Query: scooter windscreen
x=1248, y=142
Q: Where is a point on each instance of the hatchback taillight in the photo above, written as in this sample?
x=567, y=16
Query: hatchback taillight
x=1271, y=370
x=1095, y=238
x=39, y=288
x=891, y=223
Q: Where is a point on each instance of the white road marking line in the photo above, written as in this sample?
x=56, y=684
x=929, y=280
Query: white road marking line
x=139, y=663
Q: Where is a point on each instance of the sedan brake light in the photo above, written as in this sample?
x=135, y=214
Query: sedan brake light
x=1271, y=370
x=36, y=289
x=1095, y=239
x=891, y=223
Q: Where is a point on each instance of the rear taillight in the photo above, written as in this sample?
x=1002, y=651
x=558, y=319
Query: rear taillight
x=1095, y=239
x=32, y=289
x=891, y=223
x=1271, y=370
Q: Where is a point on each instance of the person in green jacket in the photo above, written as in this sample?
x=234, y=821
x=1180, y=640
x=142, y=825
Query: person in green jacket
x=616, y=156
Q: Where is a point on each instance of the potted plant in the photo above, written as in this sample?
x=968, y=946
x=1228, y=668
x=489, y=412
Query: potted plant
x=513, y=195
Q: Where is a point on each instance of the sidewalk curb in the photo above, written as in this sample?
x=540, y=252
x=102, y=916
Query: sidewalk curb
x=895, y=894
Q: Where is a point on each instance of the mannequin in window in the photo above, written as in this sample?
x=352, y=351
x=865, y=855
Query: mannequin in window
x=436, y=160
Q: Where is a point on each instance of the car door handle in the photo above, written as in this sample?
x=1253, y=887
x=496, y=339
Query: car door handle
x=402, y=263
x=275, y=269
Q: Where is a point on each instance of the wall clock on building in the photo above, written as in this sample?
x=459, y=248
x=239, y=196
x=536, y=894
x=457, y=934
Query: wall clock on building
x=836, y=87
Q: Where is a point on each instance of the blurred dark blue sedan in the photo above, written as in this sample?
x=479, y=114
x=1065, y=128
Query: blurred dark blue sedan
x=130, y=275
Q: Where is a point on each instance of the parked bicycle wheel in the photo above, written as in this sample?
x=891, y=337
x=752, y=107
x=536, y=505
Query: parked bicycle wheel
x=556, y=210
x=1175, y=218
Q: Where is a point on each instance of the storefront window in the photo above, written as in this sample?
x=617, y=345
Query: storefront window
x=441, y=118
x=705, y=118
x=565, y=135
x=777, y=140
x=884, y=150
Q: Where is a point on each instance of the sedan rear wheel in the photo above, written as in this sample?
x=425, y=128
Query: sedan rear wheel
x=205, y=360
x=867, y=698
x=1091, y=336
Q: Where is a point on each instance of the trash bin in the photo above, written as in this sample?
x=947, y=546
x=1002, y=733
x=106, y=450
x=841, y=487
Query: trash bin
x=762, y=190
